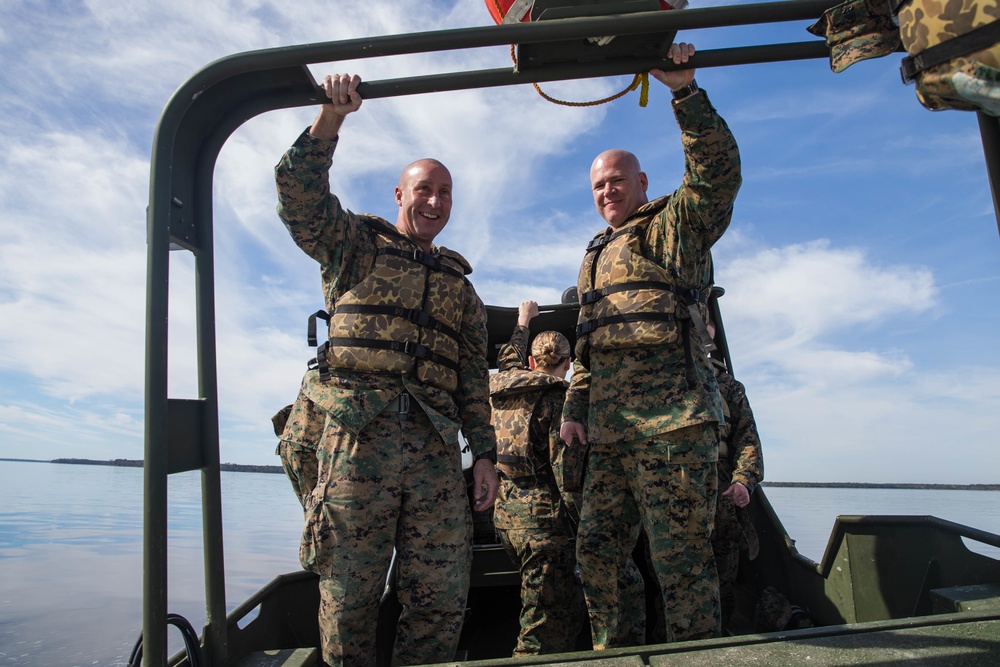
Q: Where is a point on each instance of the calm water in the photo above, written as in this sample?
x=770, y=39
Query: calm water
x=71, y=548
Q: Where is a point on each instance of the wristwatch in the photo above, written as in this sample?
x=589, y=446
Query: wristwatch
x=490, y=456
x=684, y=91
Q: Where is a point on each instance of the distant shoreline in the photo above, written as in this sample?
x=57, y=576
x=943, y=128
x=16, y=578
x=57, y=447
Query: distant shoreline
x=241, y=467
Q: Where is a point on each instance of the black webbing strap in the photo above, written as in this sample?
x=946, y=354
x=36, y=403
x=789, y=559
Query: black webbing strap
x=688, y=295
x=598, y=242
x=529, y=480
x=896, y=5
x=588, y=326
x=311, y=332
x=321, y=364
x=689, y=372
x=412, y=349
x=414, y=315
x=421, y=257
x=975, y=40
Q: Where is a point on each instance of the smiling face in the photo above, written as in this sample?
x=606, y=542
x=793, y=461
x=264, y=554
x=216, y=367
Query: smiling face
x=618, y=184
x=424, y=199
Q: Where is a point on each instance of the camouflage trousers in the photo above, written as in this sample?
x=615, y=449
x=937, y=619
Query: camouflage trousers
x=552, y=607
x=732, y=535
x=394, y=484
x=667, y=485
x=726, y=544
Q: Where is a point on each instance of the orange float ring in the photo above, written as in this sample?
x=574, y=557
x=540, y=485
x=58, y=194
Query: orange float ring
x=499, y=8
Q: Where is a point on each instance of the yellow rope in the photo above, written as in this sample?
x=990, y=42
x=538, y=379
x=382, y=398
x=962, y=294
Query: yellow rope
x=639, y=80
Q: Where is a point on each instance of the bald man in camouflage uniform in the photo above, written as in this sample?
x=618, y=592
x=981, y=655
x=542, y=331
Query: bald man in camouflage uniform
x=404, y=368
x=537, y=508
x=643, y=394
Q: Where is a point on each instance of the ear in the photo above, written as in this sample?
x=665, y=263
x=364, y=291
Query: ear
x=531, y=362
x=643, y=180
x=399, y=197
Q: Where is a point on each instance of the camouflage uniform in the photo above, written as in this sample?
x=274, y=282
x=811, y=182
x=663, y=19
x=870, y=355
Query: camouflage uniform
x=537, y=507
x=299, y=428
x=652, y=413
x=740, y=461
x=386, y=478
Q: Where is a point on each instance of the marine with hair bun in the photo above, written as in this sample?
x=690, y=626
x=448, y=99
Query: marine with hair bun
x=537, y=507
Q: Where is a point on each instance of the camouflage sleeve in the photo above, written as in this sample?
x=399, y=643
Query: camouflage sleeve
x=514, y=353
x=703, y=205
x=473, y=393
x=748, y=457
x=567, y=462
x=313, y=215
x=578, y=396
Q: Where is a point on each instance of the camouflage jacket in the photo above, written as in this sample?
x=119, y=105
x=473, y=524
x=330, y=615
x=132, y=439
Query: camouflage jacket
x=344, y=245
x=540, y=477
x=641, y=392
x=744, y=455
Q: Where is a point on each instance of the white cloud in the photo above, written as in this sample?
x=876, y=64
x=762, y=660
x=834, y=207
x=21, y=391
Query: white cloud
x=810, y=327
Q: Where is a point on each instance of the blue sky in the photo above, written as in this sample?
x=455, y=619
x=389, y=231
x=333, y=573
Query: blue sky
x=862, y=266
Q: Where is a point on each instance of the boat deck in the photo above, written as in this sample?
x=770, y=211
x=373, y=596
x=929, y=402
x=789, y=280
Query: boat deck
x=955, y=639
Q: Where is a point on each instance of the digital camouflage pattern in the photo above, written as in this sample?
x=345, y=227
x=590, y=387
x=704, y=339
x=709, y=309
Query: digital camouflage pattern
x=552, y=607
x=537, y=507
x=411, y=289
x=345, y=247
x=299, y=428
x=970, y=82
x=667, y=485
x=741, y=460
x=384, y=479
x=857, y=30
x=397, y=483
x=653, y=437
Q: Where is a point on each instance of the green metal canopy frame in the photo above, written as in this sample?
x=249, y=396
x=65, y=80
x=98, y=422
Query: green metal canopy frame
x=182, y=434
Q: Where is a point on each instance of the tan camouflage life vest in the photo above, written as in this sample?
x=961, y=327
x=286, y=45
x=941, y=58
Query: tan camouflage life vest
x=514, y=396
x=626, y=299
x=954, y=52
x=404, y=317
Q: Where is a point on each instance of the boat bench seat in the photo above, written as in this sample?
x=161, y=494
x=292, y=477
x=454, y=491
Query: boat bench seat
x=286, y=657
x=976, y=597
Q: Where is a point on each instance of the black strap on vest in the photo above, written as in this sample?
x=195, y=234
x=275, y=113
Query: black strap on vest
x=421, y=257
x=975, y=40
x=587, y=327
x=528, y=481
x=414, y=315
x=598, y=242
x=311, y=332
x=412, y=349
x=688, y=295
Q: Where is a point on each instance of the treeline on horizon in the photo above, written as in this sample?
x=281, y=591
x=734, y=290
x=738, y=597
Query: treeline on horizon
x=242, y=467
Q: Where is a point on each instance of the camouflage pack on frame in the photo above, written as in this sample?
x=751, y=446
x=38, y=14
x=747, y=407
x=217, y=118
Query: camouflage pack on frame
x=953, y=46
x=954, y=52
